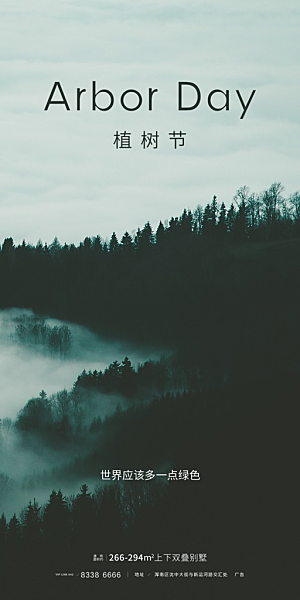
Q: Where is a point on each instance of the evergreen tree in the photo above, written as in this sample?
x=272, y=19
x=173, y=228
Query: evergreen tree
x=13, y=537
x=32, y=526
x=206, y=221
x=128, y=378
x=84, y=519
x=221, y=226
x=185, y=223
x=230, y=219
x=113, y=244
x=197, y=219
x=214, y=213
x=3, y=532
x=240, y=230
x=55, y=248
x=111, y=377
x=8, y=247
x=127, y=243
x=56, y=525
x=160, y=235
x=146, y=238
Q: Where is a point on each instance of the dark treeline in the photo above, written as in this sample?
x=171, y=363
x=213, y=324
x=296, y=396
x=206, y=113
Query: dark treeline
x=221, y=289
x=107, y=517
x=65, y=533
x=177, y=386
x=243, y=489
x=145, y=286
x=118, y=378
x=166, y=374
x=170, y=430
x=69, y=416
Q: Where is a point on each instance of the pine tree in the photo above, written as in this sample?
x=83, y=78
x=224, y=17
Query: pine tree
x=32, y=526
x=146, y=238
x=84, y=518
x=160, y=235
x=214, y=212
x=206, y=221
x=127, y=244
x=128, y=378
x=113, y=243
x=13, y=535
x=56, y=524
x=221, y=226
x=3, y=532
x=230, y=218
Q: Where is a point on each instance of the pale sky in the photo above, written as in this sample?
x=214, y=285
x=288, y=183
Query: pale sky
x=60, y=173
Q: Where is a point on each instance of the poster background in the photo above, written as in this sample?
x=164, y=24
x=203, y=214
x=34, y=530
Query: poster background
x=61, y=174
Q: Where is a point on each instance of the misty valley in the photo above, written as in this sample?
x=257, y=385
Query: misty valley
x=55, y=426
x=175, y=350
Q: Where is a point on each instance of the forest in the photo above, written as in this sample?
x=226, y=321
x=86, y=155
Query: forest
x=220, y=288
x=33, y=331
x=143, y=286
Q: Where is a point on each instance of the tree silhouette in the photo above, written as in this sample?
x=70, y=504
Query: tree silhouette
x=56, y=526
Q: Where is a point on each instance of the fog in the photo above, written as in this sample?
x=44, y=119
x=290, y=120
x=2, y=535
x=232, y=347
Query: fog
x=26, y=370
x=22, y=468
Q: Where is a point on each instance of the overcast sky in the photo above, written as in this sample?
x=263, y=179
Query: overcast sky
x=62, y=176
